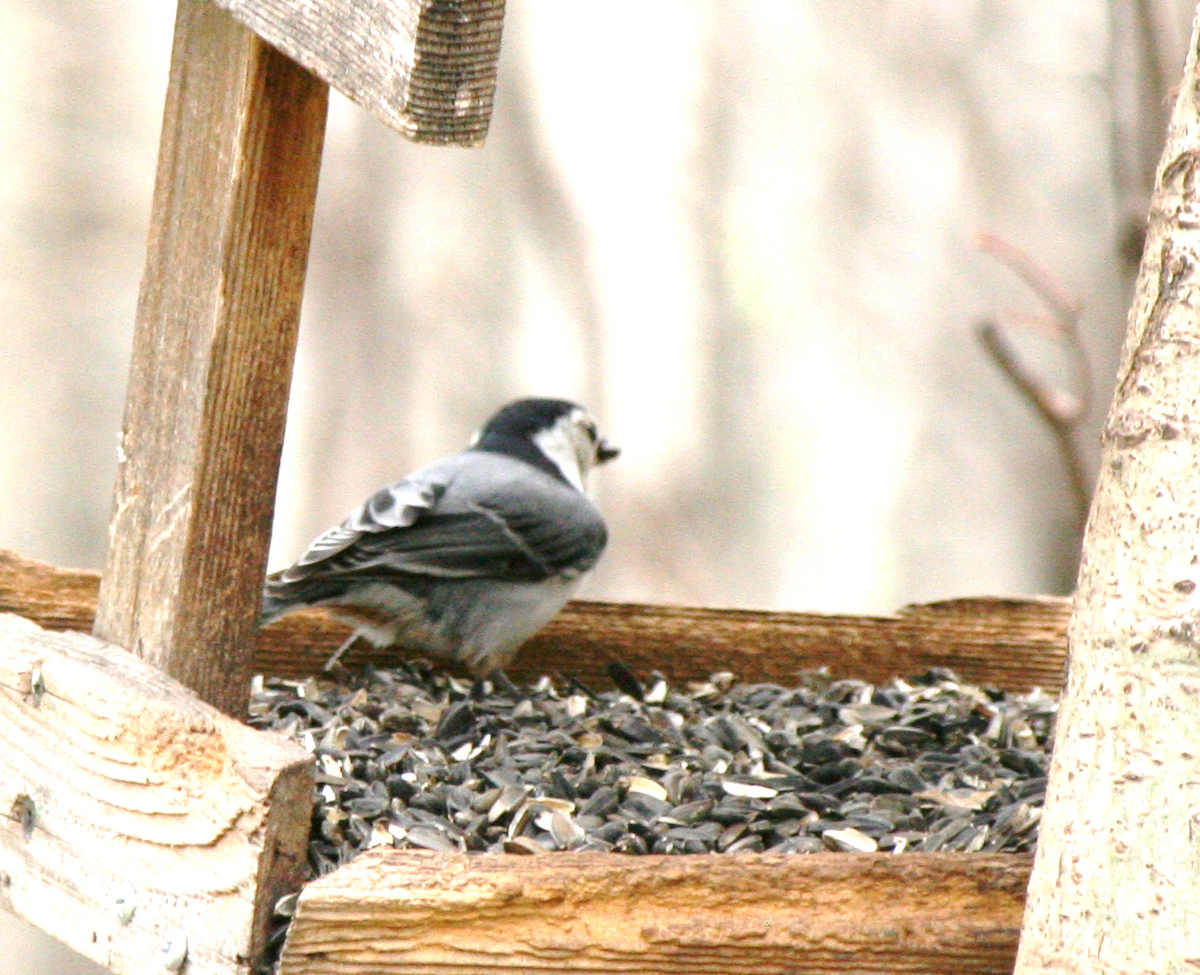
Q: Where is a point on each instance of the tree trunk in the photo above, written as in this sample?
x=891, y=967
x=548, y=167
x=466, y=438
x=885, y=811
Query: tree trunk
x=1116, y=882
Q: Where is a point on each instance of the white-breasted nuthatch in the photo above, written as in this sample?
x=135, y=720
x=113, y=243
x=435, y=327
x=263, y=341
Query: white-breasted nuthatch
x=469, y=557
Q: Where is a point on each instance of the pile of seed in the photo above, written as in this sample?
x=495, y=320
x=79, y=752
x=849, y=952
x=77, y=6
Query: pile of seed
x=413, y=757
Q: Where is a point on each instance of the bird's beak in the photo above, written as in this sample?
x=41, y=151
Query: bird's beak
x=606, y=452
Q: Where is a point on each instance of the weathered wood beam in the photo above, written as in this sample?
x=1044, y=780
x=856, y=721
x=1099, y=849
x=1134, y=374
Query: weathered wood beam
x=212, y=355
x=134, y=816
x=1011, y=643
x=424, y=67
x=450, y=914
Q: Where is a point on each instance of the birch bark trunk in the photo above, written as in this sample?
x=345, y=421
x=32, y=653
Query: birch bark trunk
x=1116, y=881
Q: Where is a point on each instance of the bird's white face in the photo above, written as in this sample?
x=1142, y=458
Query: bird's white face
x=574, y=446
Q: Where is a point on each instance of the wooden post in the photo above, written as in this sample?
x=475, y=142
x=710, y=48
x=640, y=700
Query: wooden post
x=213, y=347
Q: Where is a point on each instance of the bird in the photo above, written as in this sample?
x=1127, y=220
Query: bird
x=470, y=556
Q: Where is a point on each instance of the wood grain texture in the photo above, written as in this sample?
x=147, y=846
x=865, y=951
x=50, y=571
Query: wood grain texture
x=451, y=914
x=424, y=67
x=117, y=781
x=1011, y=643
x=212, y=355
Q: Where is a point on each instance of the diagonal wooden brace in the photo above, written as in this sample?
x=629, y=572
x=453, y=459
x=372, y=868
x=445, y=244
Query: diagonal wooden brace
x=425, y=67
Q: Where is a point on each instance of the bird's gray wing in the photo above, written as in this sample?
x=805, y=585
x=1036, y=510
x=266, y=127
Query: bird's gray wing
x=398, y=505
x=504, y=532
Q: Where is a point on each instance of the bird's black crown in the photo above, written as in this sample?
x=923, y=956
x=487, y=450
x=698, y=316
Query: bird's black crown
x=525, y=417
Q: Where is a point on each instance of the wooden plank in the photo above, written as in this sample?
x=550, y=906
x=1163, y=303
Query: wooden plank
x=118, y=784
x=424, y=67
x=212, y=355
x=58, y=599
x=1012, y=643
x=451, y=914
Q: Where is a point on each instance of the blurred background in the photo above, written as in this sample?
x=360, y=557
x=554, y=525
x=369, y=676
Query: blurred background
x=746, y=233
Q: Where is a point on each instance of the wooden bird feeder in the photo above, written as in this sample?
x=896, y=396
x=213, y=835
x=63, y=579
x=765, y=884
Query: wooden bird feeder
x=149, y=830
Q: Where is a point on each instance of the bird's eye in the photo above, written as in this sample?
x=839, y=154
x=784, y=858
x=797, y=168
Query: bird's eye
x=590, y=429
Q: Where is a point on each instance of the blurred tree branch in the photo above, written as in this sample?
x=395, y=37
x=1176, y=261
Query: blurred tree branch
x=1062, y=411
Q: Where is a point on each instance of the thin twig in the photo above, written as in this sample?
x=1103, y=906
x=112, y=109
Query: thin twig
x=1061, y=411
x=1050, y=405
x=1064, y=308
